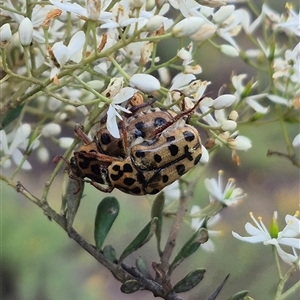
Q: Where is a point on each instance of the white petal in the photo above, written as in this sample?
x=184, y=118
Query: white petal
x=224, y=101
x=182, y=80
x=76, y=44
x=256, y=106
x=249, y=239
x=279, y=100
x=296, y=141
x=17, y=157
x=26, y=32
x=61, y=53
x=205, y=155
x=124, y=95
x=223, y=13
x=74, y=7
x=111, y=122
x=3, y=142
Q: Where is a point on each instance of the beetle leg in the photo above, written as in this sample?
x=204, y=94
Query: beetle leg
x=99, y=156
x=80, y=134
x=101, y=188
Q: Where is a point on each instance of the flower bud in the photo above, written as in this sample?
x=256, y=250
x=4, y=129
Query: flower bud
x=229, y=50
x=25, y=32
x=223, y=13
x=187, y=27
x=154, y=23
x=65, y=142
x=5, y=35
x=205, y=32
x=228, y=125
x=51, y=129
x=274, y=226
x=93, y=8
x=233, y=115
x=144, y=82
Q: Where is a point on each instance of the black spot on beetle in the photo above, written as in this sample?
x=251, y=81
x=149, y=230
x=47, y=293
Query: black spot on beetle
x=159, y=121
x=140, y=153
x=197, y=159
x=157, y=158
x=188, y=136
x=188, y=153
x=105, y=138
x=115, y=177
x=129, y=181
x=116, y=168
x=180, y=169
x=139, y=125
x=136, y=190
x=165, y=178
x=127, y=168
x=138, y=133
x=95, y=169
x=173, y=149
x=170, y=139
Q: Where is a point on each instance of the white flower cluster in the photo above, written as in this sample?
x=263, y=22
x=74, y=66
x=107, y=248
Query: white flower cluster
x=81, y=59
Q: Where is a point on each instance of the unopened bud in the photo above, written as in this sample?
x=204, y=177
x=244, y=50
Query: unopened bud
x=25, y=32
x=187, y=27
x=5, y=35
x=229, y=50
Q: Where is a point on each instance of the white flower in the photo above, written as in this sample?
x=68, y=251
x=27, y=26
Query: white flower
x=112, y=113
x=172, y=192
x=144, y=82
x=10, y=145
x=25, y=32
x=239, y=142
x=229, y=196
x=197, y=222
x=61, y=54
x=251, y=100
x=260, y=234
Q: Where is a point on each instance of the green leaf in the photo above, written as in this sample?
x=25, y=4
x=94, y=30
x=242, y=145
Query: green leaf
x=198, y=238
x=240, y=296
x=157, y=212
x=130, y=286
x=11, y=116
x=107, y=211
x=142, y=266
x=109, y=253
x=142, y=238
x=189, y=281
x=71, y=199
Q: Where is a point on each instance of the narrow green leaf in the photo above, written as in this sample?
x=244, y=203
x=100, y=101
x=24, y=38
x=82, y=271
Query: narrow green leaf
x=110, y=253
x=189, y=281
x=190, y=247
x=142, y=266
x=130, y=286
x=107, y=211
x=142, y=238
x=11, y=116
x=71, y=199
x=240, y=296
x=157, y=212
